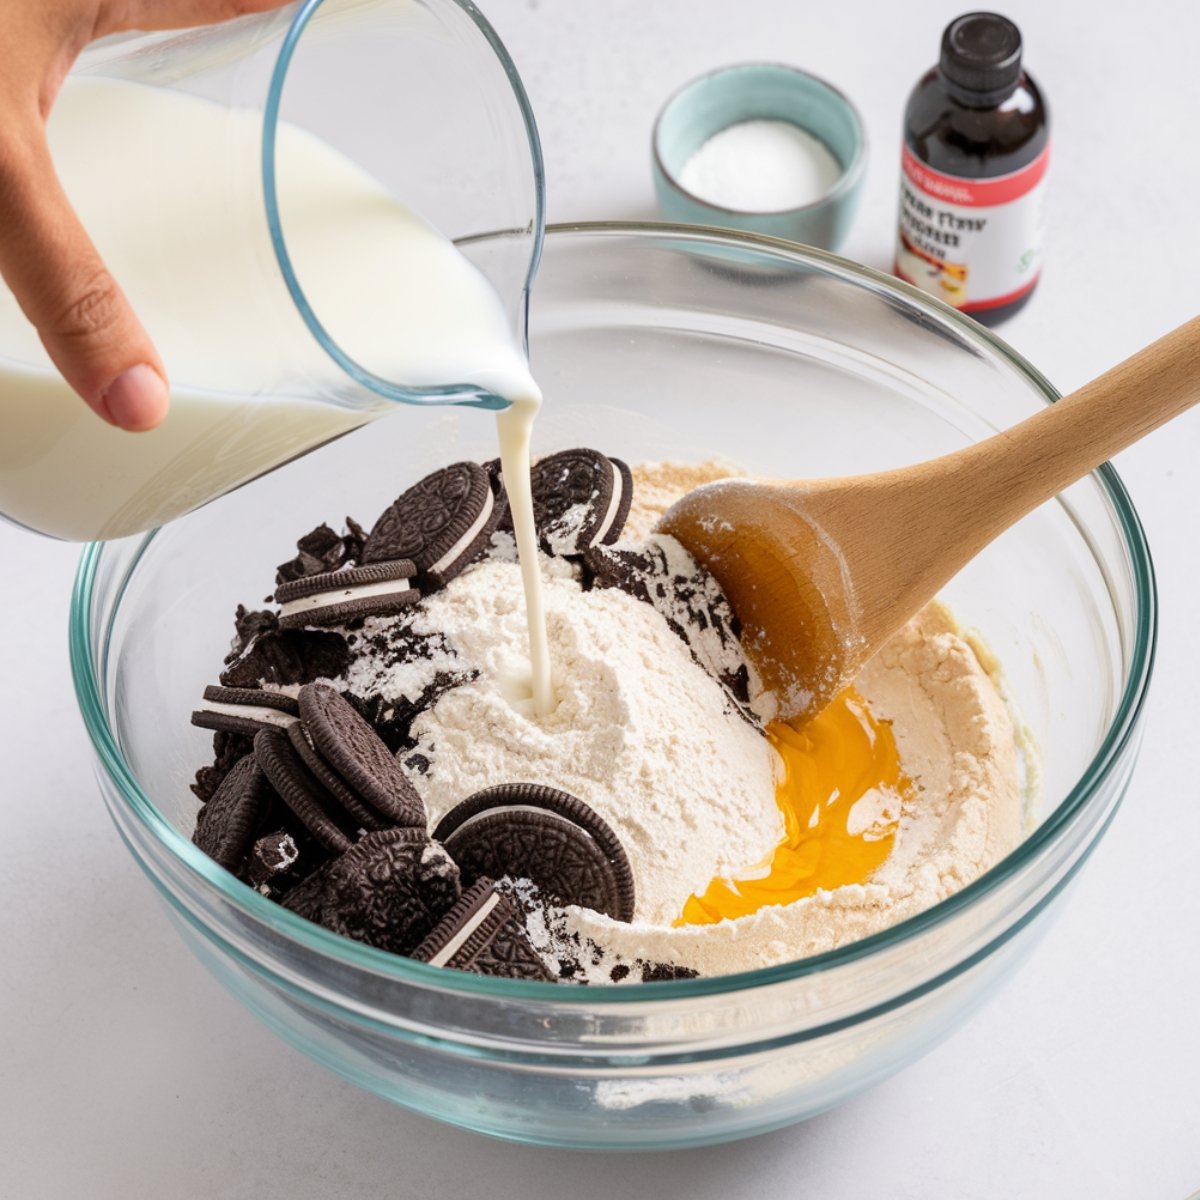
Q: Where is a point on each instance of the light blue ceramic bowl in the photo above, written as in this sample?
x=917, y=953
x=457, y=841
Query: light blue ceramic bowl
x=761, y=91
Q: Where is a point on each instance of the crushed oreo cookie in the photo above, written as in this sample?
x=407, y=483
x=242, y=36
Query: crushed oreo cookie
x=322, y=551
x=272, y=855
x=228, y=748
x=382, y=651
x=286, y=657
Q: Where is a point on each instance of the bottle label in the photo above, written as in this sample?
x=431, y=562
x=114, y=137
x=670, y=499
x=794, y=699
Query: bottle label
x=974, y=243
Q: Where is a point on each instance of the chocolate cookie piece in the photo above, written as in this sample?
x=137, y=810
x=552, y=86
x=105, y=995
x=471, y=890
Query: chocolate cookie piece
x=245, y=710
x=376, y=590
x=660, y=972
x=357, y=753
x=484, y=933
x=363, y=816
x=530, y=831
x=440, y=524
x=388, y=890
x=287, y=657
x=321, y=551
x=272, y=855
x=249, y=624
x=581, y=498
x=633, y=571
x=316, y=809
x=228, y=748
x=225, y=825
x=392, y=647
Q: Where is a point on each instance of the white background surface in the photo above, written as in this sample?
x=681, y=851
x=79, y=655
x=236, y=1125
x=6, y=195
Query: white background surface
x=126, y=1072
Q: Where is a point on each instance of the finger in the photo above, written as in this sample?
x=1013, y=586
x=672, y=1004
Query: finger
x=180, y=14
x=61, y=283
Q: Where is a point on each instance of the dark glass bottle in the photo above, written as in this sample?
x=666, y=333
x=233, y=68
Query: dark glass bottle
x=976, y=147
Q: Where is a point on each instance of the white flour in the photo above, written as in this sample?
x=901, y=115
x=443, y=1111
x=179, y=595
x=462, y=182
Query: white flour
x=956, y=743
x=640, y=732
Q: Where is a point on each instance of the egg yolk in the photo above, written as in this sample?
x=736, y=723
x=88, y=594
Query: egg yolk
x=840, y=793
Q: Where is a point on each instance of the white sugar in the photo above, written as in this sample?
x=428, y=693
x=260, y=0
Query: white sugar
x=761, y=166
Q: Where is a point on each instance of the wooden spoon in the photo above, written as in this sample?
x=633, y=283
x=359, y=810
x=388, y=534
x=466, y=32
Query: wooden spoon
x=822, y=572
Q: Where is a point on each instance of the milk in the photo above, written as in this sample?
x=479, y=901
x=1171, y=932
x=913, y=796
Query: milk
x=168, y=186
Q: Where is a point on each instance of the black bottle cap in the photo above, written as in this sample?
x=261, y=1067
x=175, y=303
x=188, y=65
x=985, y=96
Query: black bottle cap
x=981, y=58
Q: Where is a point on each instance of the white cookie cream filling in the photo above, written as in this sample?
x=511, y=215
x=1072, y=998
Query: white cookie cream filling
x=360, y=591
x=452, y=947
x=614, y=506
x=467, y=538
x=253, y=712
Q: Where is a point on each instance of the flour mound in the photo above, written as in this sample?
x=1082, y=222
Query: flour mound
x=640, y=732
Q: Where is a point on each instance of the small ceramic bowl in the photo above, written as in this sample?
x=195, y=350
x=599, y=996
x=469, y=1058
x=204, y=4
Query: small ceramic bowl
x=761, y=91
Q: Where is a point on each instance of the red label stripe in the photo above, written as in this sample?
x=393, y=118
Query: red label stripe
x=974, y=193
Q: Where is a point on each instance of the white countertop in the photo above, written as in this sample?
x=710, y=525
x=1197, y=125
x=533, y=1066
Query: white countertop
x=125, y=1071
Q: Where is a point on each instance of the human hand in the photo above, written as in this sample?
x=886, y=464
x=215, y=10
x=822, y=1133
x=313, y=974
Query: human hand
x=46, y=257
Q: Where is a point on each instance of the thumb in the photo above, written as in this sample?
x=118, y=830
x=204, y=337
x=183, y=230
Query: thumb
x=64, y=288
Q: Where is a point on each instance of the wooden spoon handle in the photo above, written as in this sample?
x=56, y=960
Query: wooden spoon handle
x=914, y=528
x=1027, y=464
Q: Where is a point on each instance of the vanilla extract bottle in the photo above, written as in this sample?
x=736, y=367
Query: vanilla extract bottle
x=973, y=173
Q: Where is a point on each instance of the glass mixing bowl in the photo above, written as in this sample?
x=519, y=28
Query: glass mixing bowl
x=651, y=342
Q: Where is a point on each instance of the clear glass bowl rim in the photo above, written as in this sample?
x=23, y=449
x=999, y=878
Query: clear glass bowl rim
x=467, y=394
x=317, y=940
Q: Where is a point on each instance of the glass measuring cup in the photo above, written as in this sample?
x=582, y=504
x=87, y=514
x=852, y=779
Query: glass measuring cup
x=419, y=99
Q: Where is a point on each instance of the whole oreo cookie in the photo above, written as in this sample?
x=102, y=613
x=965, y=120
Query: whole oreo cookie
x=440, y=524
x=311, y=803
x=530, y=831
x=225, y=825
x=359, y=756
x=363, y=816
x=245, y=710
x=484, y=933
x=375, y=590
x=388, y=890
x=581, y=499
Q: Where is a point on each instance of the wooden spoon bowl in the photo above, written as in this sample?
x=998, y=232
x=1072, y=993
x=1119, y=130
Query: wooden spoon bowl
x=822, y=572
